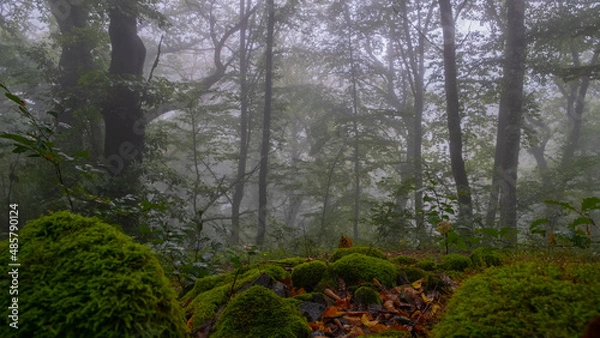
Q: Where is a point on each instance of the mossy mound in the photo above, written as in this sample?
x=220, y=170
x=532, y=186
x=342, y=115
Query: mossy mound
x=392, y=334
x=427, y=264
x=403, y=260
x=455, y=262
x=258, y=313
x=366, y=295
x=308, y=275
x=485, y=257
x=365, y=250
x=409, y=274
x=524, y=300
x=356, y=267
x=81, y=277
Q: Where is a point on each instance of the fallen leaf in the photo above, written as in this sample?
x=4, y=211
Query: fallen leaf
x=379, y=328
x=329, y=293
x=425, y=299
x=366, y=322
x=376, y=282
x=356, y=332
x=418, y=284
x=332, y=312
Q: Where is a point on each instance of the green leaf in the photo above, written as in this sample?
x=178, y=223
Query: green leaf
x=489, y=232
x=18, y=138
x=15, y=99
x=538, y=222
x=590, y=203
x=581, y=220
x=565, y=205
x=82, y=154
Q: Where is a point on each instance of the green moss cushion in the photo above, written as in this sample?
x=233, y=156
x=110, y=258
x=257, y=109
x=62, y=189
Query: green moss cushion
x=365, y=250
x=308, y=275
x=524, y=300
x=80, y=277
x=259, y=313
x=357, y=267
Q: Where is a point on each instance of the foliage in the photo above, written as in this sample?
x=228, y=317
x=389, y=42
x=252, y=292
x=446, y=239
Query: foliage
x=524, y=300
x=369, y=251
x=308, y=275
x=85, y=277
x=357, y=267
x=258, y=312
x=403, y=260
x=485, y=257
x=455, y=262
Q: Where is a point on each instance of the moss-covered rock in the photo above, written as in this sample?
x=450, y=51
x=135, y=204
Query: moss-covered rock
x=365, y=250
x=409, y=274
x=80, y=277
x=524, y=300
x=308, y=275
x=403, y=260
x=485, y=257
x=357, y=267
x=427, y=264
x=366, y=295
x=258, y=313
x=455, y=262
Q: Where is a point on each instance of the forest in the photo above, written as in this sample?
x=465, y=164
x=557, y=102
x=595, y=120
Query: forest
x=414, y=149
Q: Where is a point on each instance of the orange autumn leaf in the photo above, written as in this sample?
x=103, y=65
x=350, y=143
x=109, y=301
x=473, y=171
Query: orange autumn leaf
x=379, y=328
x=332, y=312
x=343, y=304
x=345, y=242
x=356, y=332
x=190, y=322
x=366, y=322
x=296, y=292
x=353, y=320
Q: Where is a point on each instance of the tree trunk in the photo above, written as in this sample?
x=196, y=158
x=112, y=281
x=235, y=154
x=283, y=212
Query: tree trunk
x=238, y=193
x=123, y=118
x=510, y=115
x=459, y=172
x=266, y=136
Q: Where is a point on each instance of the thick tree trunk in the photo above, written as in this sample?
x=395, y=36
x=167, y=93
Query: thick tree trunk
x=238, y=193
x=266, y=136
x=123, y=118
x=510, y=115
x=459, y=172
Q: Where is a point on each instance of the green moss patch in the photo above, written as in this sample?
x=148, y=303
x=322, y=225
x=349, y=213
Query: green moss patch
x=365, y=250
x=81, y=277
x=485, y=257
x=409, y=274
x=366, y=295
x=455, y=262
x=524, y=300
x=356, y=267
x=308, y=275
x=403, y=260
x=258, y=313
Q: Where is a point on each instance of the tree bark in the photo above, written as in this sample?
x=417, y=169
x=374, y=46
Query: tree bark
x=238, y=193
x=510, y=116
x=123, y=118
x=266, y=135
x=459, y=172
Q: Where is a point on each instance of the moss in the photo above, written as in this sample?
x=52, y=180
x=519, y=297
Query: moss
x=404, y=260
x=392, y=334
x=205, y=306
x=455, y=262
x=524, y=300
x=409, y=274
x=308, y=275
x=204, y=284
x=358, y=267
x=289, y=262
x=427, y=264
x=485, y=257
x=365, y=250
x=366, y=295
x=276, y=318
x=82, y=277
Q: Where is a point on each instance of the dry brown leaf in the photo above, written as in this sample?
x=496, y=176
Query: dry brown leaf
x=332, y=312
x=376, y=282
x=379, y=328
x=329, y=293
x=353, y=320
x=366, y=322
x=356, y=332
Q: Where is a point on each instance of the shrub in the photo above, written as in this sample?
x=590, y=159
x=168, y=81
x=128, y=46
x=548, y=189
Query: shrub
x=455, y=262
x=365, y=250
x=427, y=264
x=404, y=260
x=524, y=300
x=485, y=257
x=259, y=312
x=358, y=267
x=82, y=277
x=308, y=275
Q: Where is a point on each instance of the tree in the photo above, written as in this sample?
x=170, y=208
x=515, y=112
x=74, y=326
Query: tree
x=463, y=190
x=266, y=134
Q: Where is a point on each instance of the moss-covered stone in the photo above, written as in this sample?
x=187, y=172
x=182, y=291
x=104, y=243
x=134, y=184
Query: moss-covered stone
x=455, y=262
x=427, y=264
x=81, y=277
x=258, y=313
x=357, y=267
x=485, y=257
x=403, y=260
x=308, y=275
x=365, y=250
x=524, y=300
x=409, y=274
x=366, y=295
